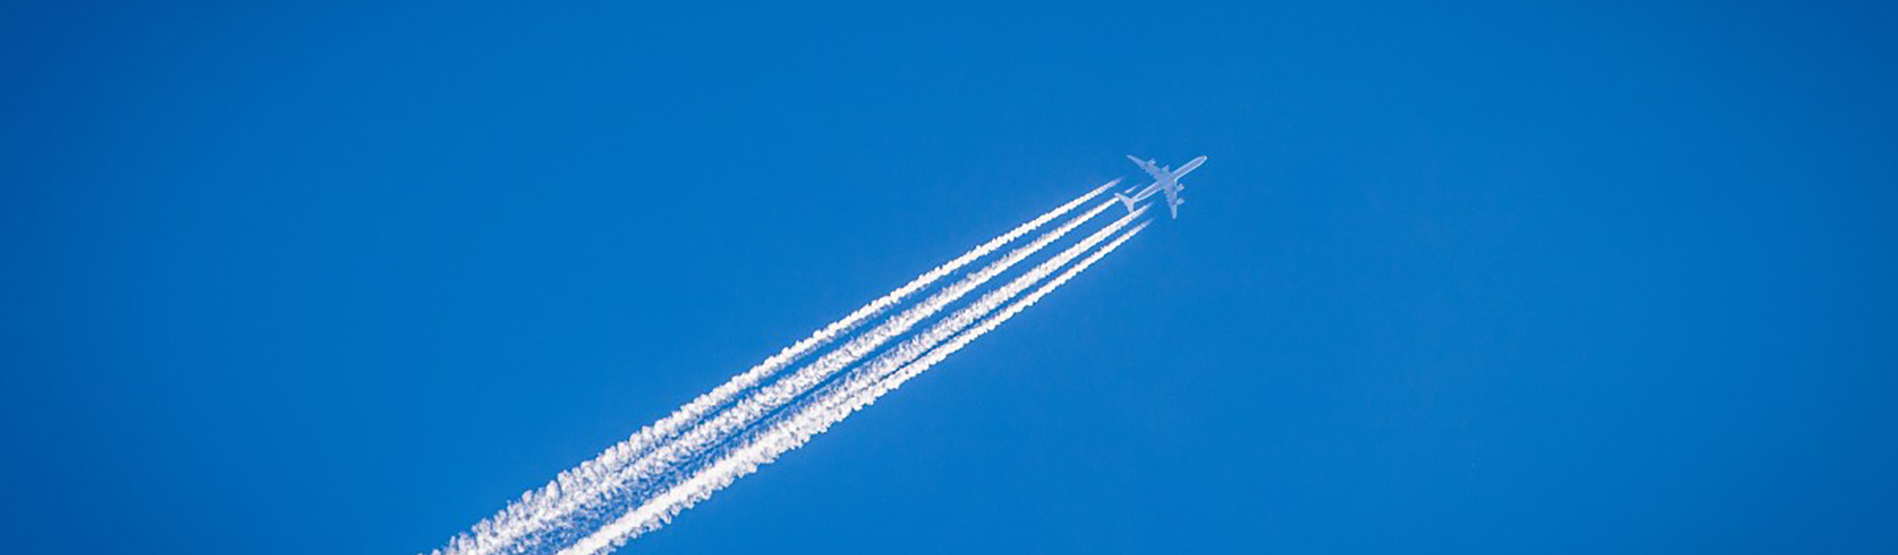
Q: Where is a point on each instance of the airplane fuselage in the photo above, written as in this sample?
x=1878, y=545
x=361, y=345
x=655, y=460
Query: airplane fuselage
x=1165, y=180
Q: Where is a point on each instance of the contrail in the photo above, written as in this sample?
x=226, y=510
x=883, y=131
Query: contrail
x=745, y=412
x=531, y=516
x=943, y=351
x=857, y=391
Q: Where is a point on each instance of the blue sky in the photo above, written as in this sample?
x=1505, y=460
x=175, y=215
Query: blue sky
x=1486, y=277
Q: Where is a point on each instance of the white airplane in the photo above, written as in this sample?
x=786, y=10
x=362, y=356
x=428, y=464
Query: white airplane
x=1165, y=180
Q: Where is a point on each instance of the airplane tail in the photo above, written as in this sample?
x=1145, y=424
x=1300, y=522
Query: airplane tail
x=1125, y=200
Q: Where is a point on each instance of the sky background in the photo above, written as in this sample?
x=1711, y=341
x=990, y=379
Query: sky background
x=1493, y=277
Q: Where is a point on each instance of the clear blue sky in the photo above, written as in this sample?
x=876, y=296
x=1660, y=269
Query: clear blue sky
x=321, y=278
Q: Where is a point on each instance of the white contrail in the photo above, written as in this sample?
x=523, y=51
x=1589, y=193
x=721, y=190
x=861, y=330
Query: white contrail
x=943, y=351
x=746, y=411
x=594, y=479
x=861, y=390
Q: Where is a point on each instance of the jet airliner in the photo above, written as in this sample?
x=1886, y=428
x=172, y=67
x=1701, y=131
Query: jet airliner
x=1165, y=180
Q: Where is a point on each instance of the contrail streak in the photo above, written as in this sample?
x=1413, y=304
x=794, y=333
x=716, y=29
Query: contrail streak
x=943, y=351
x=539, y=510
x=857, y=391
x=666, y=459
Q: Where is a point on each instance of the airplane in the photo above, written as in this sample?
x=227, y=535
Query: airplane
x=1165, y=180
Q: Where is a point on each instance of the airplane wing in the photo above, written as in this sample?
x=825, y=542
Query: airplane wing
x=1150, y=168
